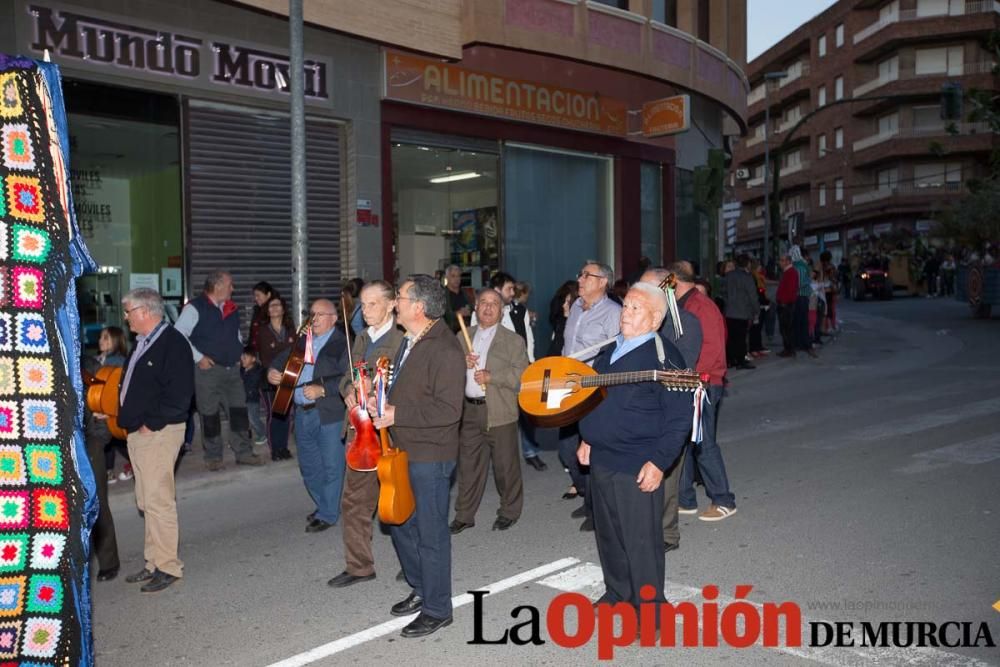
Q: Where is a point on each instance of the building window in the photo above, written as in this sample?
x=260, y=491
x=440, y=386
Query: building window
x=927, y=117
x=838, y=189
x=889, y=123
x=821, y=46
x=821, y=145
x=838, y=137
x=821, y=97
x=887, y=178
x=665, y=11
x=704, y=20
x=839, y=35
x=620, y=4
x=889, y=13
x=821, y=191
x=936, y=174
x=944, y=60
x=940, y=7
x=793, y=159
x=888, y=69
x=838, y=88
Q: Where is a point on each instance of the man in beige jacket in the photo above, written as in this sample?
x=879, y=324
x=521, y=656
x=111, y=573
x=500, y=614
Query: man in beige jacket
x=489, y=420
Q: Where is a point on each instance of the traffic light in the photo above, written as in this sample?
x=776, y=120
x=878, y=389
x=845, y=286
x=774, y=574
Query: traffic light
x=951, y=101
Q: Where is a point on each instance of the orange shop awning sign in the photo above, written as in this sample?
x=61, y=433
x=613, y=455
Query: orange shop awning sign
x=430, y=82
x=669, y=115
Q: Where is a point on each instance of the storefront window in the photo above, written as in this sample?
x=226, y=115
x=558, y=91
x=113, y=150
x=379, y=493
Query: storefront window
x=558, y=214
x=687, y=218
x=125, y=175
x=651, y=211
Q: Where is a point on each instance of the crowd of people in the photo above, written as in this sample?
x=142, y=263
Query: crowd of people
x=451, y=403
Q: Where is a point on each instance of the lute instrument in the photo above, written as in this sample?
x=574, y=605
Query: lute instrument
x=284, y=393
x=364, y=450
x=103, y=396
x=557, y=391
x=395, y=497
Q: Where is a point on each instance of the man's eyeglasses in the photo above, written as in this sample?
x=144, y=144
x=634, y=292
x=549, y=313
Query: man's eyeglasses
x=588, y=274
x=312, y=314
x=130, y=310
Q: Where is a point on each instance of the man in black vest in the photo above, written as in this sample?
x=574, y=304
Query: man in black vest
x=211, y=323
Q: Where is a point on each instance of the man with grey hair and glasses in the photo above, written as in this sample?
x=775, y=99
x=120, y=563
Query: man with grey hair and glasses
x=155, y=396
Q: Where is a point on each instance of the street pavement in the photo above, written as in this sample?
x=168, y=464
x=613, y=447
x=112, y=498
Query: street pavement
x=867, y=484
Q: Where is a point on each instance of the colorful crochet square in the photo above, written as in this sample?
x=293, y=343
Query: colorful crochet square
x=10, y=637
x=24, y=198
x=6, y=333
x=49, y=509
x=40, y=420
x=27, y=287
x=9, y=428
x=31, y=244
x=41, y=637
x=11, y=466
x=44, y=464
x=7, y=384
x=30, y=333
x=13, y=510
x=45, y=594
x=15, y=145
x=46, y=550
x=10, y=96
x=4, y=287
x=11, y=595
x=35, y=375
x=3, y=232
x=13, y=552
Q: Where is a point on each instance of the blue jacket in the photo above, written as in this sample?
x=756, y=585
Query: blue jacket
x=638, y=422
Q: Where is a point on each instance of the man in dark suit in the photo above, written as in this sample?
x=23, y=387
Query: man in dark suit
x=489, y=423
x=628, y=441
x=424, y=411
x=155, y=394
x=319, y=414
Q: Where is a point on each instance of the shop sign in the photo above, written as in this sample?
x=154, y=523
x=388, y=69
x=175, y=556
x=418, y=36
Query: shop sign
x=122, y=43
x=669, y=115
x=810, y=240
x=830, y=237
x=883, y=228
x=924, y=225
x=855, y=233
x=433, y=83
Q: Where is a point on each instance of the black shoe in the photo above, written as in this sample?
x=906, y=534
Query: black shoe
x=108, y=574
x=457, y=526
x=570, y=495
x=503, y=523
x=579, y=512
x=311, y=516
x=139, y=577
x=159, y=581
x=318, y=526
x=537, y=463
x=400, y=576
x=413, y=603
x=345, y=579
x=746, y=365
x=670, y=546
x=587, y=526
x=424, y=625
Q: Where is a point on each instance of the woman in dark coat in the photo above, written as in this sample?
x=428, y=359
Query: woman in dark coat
x=273, y=336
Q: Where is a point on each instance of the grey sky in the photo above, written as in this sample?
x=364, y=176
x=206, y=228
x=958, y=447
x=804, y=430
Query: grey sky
x=768, y=21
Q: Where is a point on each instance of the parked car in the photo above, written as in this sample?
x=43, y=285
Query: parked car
x=871, y=281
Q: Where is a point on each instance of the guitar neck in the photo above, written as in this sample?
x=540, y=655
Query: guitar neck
x=679, y=379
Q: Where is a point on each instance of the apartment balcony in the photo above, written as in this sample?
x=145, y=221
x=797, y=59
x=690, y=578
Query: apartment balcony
x=884, y=34
x=755, y=182
x=969, y=69
x=916, y=132
x=908, y=85
x=794, y=169
x=908, y=196
x=757, y=95
x=754, y=140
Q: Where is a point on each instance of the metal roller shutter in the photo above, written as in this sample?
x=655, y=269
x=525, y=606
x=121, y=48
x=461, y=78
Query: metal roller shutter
x=239, y=189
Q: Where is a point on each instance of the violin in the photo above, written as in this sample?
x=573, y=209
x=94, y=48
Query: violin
x=364, y=450
x=285, y=393
x=395, y=497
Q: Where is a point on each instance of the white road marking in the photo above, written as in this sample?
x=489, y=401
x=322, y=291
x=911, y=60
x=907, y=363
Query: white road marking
x=350, y=641
x=970, y=452
x=928, y=420
x=588, y=580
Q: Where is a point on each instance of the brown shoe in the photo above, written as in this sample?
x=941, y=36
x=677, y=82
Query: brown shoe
x=252, y=460
x=215, y=466
x=717, y=513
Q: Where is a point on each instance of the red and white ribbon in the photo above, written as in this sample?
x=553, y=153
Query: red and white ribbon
x=700, y=397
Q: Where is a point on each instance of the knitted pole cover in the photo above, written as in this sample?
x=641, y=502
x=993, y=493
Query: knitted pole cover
x=47, y=491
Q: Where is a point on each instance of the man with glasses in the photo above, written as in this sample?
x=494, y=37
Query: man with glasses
x=319, y=414
x=155, y=397
x=593, y=318
x=211, y=323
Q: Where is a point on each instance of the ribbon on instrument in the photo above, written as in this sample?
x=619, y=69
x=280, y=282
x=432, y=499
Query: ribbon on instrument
x=379, y=392
x=700, y=398
x=310, y=355
x=674, y=311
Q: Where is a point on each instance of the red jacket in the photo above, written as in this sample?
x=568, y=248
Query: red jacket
x=712, y=358
x=788, y=286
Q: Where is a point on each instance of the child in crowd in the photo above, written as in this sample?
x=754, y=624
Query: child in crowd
x=253, y=376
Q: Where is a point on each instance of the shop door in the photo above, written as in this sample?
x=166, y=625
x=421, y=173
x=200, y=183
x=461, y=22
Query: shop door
x=239, y=184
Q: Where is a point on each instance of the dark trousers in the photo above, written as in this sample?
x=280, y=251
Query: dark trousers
x=707, y=457
x=217, y=389
x=800, y=324
x=423, y=542
x=357, y=507
x=277, y=425
x=756, y=335
x=786, y=319
x=479, y=447
x=627, y=525
x=569, y=442
x=105, y=540
x=671, y=489
x=736, y=341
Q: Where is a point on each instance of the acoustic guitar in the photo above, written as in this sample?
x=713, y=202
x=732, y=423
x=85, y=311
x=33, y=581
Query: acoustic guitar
x=557, y=391
x=395, y=497
x=284, y=393
x=103, y=396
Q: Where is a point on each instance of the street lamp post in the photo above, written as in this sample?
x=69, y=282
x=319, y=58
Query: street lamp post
x=768, y=76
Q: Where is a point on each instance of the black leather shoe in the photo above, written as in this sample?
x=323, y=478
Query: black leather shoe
x=400, y=576
x=410, y=605
x=457, y=526
x=318, y=526
x=587, y=526
x=570, y=495
x=139, y=577
x=310, y=516
x=579, y=512
x=159, y=581
x=537, y=463
x=346, y=579
x=670, y=546
x=108, y=574
x=503, y=523
x=424, y=625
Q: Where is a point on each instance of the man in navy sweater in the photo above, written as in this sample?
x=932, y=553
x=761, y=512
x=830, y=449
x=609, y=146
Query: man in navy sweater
x=628, y=441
